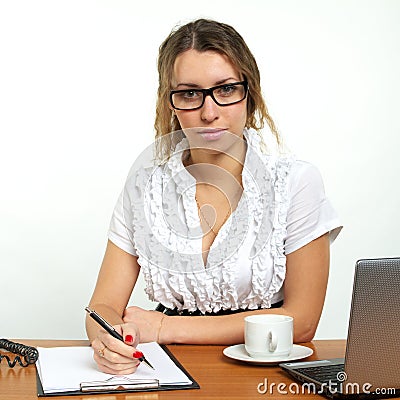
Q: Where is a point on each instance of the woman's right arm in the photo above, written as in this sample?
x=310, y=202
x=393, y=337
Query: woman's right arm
x=116, y=280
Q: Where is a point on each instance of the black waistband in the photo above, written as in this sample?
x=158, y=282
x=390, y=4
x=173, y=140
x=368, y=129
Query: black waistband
x=175, y=311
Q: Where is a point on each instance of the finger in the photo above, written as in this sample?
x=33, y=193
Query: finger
x=98, y=346
x=112, y=368
x=130, y=334
x=114, y=345
x=129, y=339
x=109, y=357
x=115, y=361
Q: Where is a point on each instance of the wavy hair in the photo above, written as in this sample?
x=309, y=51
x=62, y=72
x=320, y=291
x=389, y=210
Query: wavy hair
x=206, y=35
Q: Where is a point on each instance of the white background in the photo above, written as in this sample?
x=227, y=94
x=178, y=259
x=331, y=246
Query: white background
x=77, y=93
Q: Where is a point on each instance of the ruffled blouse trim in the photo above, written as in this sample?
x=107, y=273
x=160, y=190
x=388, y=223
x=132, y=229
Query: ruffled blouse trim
x=169, y=251
x=270, y=226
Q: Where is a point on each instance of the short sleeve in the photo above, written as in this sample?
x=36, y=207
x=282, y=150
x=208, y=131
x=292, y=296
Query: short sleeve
x=121, y=231
x=310, y=214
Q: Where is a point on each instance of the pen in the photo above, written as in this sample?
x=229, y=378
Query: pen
x=104, y=324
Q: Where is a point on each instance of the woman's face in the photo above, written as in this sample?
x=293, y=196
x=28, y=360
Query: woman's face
x=210, y=123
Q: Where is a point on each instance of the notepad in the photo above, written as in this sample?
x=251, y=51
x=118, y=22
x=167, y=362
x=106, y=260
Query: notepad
x=64, y=369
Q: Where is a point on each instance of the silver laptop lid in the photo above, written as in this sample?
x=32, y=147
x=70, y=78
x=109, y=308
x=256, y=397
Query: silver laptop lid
x=373, y=341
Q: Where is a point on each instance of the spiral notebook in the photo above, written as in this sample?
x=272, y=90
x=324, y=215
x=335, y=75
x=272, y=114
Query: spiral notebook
x=64, y=371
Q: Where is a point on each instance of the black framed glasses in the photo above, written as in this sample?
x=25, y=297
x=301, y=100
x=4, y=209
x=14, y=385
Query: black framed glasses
x=223, y=95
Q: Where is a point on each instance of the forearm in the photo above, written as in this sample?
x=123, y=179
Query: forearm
x=107, y=312
x=227, y=329
x=201, y=330
x=114, y=286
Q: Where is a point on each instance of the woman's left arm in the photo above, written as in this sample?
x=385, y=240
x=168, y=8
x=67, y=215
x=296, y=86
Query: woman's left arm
x=304, y=292
x=307, y=271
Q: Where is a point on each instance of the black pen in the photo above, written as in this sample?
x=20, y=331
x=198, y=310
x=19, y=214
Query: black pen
x=105, y=325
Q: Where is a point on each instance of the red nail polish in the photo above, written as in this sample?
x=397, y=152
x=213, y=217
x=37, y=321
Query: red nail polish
x=129, y=338
x=138, y=355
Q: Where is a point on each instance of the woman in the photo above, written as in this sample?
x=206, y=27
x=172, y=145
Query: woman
x=219, y=227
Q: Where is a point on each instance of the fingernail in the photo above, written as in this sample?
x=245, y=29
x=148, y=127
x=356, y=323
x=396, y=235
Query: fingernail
x=137, y=354
x=129, y=338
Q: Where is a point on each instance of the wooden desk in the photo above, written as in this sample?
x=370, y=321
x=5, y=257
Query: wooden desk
x=218, y=376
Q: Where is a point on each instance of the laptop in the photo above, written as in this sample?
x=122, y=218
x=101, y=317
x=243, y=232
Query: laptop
x=371, y=367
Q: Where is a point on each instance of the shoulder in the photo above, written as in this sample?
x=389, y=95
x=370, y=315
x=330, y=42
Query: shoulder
x=294, y=177
x=305, y=182
x=284, y=165
x=290, y=170
x=304, y=171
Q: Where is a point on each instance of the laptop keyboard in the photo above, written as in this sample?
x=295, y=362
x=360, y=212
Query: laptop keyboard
x=323, y=373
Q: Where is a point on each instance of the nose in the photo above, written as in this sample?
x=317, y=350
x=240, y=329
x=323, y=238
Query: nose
x=210, y=110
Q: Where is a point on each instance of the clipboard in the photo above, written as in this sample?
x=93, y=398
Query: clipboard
x=121, y=384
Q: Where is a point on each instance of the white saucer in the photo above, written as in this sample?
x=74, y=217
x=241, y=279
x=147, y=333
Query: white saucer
x=238, y=352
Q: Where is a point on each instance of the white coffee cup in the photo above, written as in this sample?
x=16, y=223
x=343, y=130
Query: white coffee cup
x=268, y=336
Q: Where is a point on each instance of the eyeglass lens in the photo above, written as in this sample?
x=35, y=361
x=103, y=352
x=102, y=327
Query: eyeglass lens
x=222, y=95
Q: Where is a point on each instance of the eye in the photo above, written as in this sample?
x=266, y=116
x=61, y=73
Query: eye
x=189, y=95
x=227, y=90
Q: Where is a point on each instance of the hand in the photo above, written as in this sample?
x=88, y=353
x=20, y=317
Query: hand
x=113, y=356
x=148, y=322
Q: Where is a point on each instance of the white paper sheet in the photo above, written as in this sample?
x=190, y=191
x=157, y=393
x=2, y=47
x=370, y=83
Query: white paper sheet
x=63, y=369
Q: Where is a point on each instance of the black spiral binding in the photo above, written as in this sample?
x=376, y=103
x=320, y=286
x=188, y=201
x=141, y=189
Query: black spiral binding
x=30, y=354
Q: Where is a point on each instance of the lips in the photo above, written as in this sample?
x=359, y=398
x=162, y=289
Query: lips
x=212, y=133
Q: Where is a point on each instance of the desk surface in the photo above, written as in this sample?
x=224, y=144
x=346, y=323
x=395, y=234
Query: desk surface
x=218, y=376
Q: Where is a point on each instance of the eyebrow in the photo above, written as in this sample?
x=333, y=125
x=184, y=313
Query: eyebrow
x=194, y=85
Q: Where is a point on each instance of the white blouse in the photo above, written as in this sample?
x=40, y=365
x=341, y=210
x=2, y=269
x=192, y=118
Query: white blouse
x=283, y=207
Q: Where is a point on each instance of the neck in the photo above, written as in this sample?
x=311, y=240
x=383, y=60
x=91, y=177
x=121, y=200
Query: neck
x=208, y=166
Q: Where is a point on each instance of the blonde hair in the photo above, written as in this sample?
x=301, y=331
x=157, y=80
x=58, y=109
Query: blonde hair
x=206, y=35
